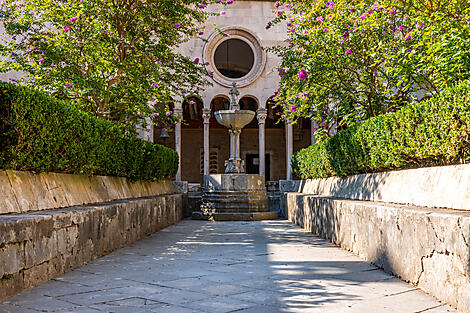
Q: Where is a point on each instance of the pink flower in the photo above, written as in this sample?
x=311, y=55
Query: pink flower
x=400, y=27
x=201, y=33
x=66, y=28
x=223, y=12
x=68, y=84
x=292, y=108
x=156, y=114
x=288, y=5
x=203, y=6
x=169, y=63
x=177, y=25
x=319, y=18
x=168, y=113
x=139, y=114
x=191, y=102
x=282, y=72
x=325, y=30
x=330, y=4
x=392, y=12
x=346, y=35
x=206, y=63
x=229, y=2
x=408, y=37
x=302, y=74
x=277, y=4
x=210, y=74
x=155, y=84
x=348, y=51
x=196, y=60
x=73, y=19
x=41, y=61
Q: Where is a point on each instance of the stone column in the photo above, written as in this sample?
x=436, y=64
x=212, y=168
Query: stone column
x=289, y=149
x=178, y=112
x=262, y=114
x=206, y=114
x=312, y=132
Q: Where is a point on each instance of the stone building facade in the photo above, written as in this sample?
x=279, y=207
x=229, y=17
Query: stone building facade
x=232, y=46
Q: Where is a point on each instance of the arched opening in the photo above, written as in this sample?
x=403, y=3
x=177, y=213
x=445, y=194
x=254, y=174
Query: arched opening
x=249, y=103
x=234, y=58
x=192, y=113
x=273, y=119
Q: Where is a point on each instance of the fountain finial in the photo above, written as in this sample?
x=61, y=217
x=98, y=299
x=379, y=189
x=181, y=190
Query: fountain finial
x=234, y=93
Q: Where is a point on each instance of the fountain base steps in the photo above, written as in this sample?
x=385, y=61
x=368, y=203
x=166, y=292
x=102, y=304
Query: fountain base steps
x=234, y=197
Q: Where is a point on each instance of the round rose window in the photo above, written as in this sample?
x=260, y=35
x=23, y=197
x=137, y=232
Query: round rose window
x=234, y=58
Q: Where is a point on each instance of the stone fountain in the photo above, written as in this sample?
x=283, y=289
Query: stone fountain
x=235, y=195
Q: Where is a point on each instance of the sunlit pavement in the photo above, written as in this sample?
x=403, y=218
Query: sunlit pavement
x=198, y=266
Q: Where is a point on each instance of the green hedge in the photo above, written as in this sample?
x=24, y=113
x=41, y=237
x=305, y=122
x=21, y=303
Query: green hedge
x=42, y=134
x=428, y=133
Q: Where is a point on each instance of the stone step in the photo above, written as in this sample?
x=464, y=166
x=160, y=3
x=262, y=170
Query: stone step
x=235, y=216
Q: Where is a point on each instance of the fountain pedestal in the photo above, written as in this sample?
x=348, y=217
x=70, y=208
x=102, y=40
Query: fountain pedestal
x=234, y=196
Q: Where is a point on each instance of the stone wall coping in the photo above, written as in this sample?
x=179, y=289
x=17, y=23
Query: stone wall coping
x=442, y=186
x=26, y=191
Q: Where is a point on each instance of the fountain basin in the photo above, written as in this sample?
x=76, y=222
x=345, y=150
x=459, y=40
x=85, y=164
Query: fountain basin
x=234, y=119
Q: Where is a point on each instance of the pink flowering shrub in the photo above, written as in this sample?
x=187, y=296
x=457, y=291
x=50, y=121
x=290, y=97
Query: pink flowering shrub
x=110, y=58
x=367, y=58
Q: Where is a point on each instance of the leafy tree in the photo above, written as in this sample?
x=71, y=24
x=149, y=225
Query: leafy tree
x=346, y=61
x=110, y=57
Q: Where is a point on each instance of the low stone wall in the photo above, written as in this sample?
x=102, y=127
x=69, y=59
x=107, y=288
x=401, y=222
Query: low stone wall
x=428, y=247
x=442, y=186
x=38, y=246
x=25, y=191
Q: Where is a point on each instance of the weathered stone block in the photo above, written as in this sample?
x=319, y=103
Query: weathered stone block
x=8, y=201
x=31, y=194
x=40, y=250
x=12, y=258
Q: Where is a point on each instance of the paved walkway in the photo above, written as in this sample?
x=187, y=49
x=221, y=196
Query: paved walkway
x=198, y=266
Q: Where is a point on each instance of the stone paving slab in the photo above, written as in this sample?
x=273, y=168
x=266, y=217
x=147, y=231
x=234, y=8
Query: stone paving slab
x=199, y=266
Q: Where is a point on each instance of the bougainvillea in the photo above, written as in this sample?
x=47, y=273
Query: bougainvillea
x=345, y=61
x=111, y=58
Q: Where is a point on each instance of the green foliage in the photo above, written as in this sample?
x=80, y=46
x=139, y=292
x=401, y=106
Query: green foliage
x=350, y=60
x=432, y=132
x=112, y=58
x=6, y=277
x=42, y=134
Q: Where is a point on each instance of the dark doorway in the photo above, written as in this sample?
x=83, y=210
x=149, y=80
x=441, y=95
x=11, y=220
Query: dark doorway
x=252, y=165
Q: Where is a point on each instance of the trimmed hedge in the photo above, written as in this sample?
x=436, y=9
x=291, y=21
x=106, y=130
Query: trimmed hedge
x=429, y=133
x=42, y=134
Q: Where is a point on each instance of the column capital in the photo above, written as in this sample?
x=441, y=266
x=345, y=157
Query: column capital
x=178, y=112
x=206, y=114
x=262, y=113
